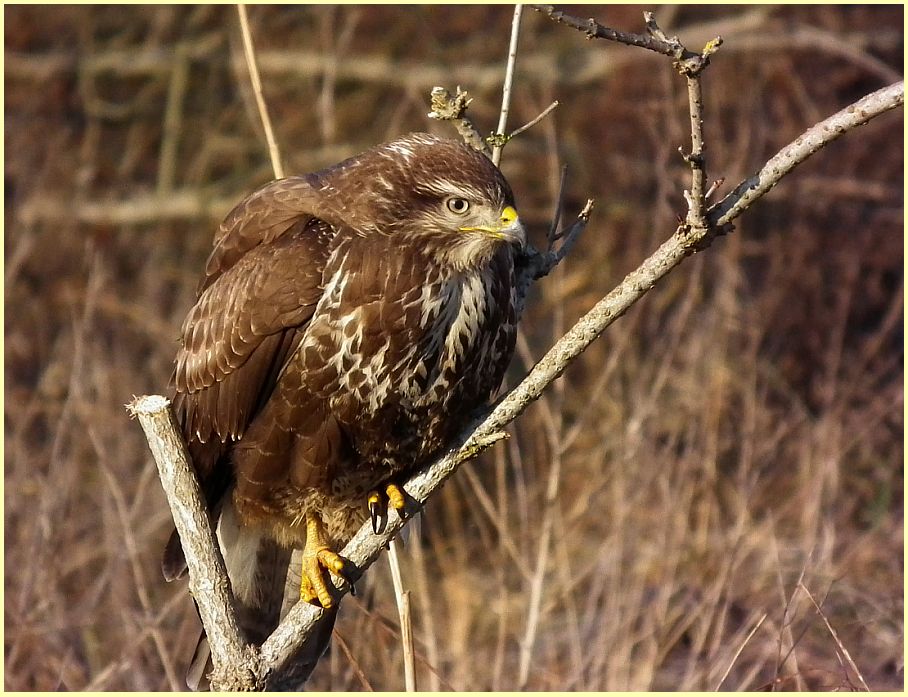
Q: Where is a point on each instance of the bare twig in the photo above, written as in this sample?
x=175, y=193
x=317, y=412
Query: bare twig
x=536, y=264
x=654, y=40
x=841, y=647
x=446, y=107
x=734, y=658
x=696, y=197
x=548, y=261
x=713, y=188
x=545, y=112
x=257, y=89
x=499, y=138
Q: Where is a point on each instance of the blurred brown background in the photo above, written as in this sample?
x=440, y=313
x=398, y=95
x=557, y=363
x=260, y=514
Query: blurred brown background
x=739, y=431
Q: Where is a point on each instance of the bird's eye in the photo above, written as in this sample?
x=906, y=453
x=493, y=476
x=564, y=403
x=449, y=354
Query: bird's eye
x=457, y=205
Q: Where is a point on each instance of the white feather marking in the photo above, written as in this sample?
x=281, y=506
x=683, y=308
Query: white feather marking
x=401, y=149
x=464, y=302
x=445, y=187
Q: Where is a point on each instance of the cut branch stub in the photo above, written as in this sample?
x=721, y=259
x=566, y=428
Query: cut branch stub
x=235, y=661
x=453, y=108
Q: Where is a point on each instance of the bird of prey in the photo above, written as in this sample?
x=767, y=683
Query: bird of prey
x=347, y=324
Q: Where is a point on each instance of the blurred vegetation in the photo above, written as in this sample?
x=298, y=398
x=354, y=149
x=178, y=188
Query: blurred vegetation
x=738, y=433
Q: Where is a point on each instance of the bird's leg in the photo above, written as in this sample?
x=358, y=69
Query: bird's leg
x=317, y=556
x=378, y=504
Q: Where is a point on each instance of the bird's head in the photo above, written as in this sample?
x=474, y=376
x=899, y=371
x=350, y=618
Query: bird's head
x=438, y=192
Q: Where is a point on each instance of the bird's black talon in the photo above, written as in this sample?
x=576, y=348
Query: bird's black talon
x=352, y=589
x=374, y=514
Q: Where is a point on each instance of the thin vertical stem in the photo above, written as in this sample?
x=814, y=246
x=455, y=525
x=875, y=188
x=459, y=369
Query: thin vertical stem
x=257, y=90
x=426, y=613
x=403, y=611
x=697, y=159
x=508, y=80
x=173, y=121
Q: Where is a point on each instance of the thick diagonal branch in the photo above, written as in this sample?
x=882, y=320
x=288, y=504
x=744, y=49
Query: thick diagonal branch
x=365, y=547
x=486, y=429
x=805, y=145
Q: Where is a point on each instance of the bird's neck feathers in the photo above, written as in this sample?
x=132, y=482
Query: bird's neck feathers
x=468, y=253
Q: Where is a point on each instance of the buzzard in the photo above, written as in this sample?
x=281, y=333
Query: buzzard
x=347, y=323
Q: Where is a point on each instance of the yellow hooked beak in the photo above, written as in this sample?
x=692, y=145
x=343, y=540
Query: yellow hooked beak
x=507, y=228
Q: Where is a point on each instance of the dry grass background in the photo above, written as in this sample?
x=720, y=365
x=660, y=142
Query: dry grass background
x=731, y=447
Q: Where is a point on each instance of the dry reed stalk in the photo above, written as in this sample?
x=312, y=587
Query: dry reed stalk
x=738, y=651
x=845, y=656
x=249, y=52
x=403, y=611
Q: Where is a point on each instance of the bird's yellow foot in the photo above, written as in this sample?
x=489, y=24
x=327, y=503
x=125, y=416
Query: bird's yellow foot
x=378, y=504
x=316, y=557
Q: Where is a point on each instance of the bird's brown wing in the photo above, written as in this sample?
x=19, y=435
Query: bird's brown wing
x=244, y=326
x=263, y=282
x=261, y=218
